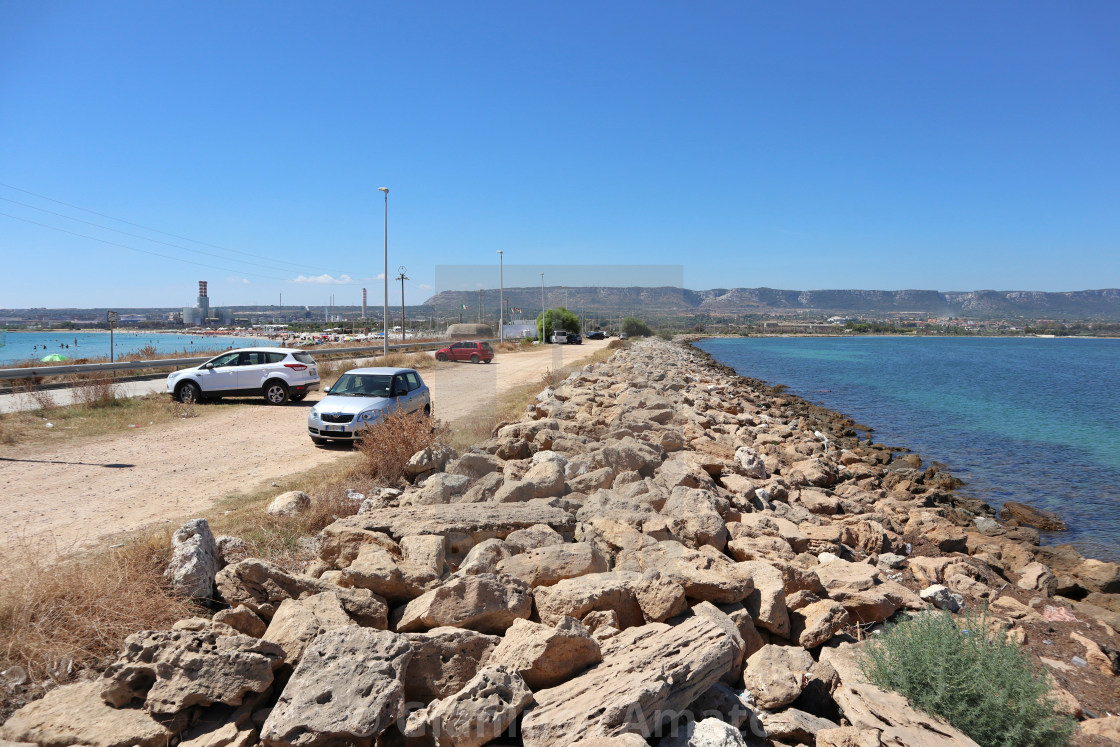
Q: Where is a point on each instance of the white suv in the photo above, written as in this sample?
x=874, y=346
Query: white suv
x=277, y=374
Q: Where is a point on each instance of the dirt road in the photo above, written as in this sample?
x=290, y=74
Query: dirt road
x=144, y=477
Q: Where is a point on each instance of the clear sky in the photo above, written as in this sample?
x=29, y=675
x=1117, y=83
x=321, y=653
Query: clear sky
x=876, y=145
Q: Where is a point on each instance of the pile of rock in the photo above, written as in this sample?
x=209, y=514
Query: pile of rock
x=659, y=552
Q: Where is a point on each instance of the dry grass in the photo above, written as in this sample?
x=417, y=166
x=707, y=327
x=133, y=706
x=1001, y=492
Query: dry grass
x=28, y=428
x=96, y=391
x=59, y=617
x=386, y=447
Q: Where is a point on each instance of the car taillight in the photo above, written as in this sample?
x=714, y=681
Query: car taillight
x=296, y=366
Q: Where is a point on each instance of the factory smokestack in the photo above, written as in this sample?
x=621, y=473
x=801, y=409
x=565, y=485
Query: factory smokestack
x=363, y=303
x=202, y=289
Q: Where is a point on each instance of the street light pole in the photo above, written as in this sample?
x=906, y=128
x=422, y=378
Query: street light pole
x=385, y=309
x=501, y=297
x=542, y=309
x=402, y=278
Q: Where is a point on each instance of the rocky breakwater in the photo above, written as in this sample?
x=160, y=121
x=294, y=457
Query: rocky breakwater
x=660, y=552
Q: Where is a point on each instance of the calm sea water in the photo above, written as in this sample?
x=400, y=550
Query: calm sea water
x=23, y=346
x=1029, y=420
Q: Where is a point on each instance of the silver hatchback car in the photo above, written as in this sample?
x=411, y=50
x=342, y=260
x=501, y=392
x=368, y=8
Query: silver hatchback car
x=361, y=397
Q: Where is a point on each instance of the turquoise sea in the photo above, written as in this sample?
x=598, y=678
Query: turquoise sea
x=24, y=346
x=1024, y=419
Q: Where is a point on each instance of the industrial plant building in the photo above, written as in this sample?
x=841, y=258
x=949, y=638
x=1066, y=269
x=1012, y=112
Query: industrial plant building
x=201, y=314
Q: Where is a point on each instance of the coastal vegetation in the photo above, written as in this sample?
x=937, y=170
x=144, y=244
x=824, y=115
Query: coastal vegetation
x=635, y=327
x=966, y=670
x=554, y=319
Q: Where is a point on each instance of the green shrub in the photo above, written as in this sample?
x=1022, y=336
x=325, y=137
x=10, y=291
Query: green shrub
x=981, y=683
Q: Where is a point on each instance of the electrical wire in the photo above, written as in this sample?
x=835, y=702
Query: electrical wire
x=142, y=251
x=146, y=228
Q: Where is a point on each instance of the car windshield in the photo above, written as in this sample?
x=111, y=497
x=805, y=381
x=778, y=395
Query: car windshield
x=362, y=385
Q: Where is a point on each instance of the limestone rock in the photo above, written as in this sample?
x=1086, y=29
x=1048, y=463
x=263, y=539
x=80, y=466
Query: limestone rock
x=298, y=622
x=818, y=502
x=750, y=463
x=698, y=522
x=577, y=597
x=794, y=725
x=848, y=736
x=479, y=713
x=546, y=566
x=439, y=489
x=941, y=598
x=775, y=675
x=291, y=503
x=546, y=479
x=546, y=656
x=474, y=465
x=724, y=703
x=488, y=603
x=429, y=459
x=1106, y=728
x=484, y=557
x=76, y=715
x=443, y=661
x=261, y=586
x=531, y=538
x=648, y=671
x=169, y=671
x=243, y=620
x=767, y=603
x=1037, y=577
x=347, y=687
x=816, y=623
x=195, y=560
x=707, y=575
x=711, y=732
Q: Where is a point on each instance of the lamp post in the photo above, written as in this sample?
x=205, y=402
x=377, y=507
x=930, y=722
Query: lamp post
x=402, y=277
x=385, y=309
x=542, y=309
x=501, y=297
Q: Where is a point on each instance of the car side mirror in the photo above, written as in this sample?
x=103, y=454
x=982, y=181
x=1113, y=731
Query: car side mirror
x=207, y=365
x=327, y=390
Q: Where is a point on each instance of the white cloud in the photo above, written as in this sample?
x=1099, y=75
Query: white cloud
x=323, y=279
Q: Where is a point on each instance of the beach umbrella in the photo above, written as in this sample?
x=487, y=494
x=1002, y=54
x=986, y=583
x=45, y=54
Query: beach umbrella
x=53, y=357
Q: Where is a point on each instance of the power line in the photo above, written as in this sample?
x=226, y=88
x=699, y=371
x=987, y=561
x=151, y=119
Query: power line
x=145, y=238
x=142, y=251
x=138, y=225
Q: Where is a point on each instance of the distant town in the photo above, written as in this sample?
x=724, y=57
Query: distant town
x=665, y=310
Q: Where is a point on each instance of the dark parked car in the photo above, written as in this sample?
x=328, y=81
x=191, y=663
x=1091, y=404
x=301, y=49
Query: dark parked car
x=475, y=352
x=575, y=338
x=597, y=335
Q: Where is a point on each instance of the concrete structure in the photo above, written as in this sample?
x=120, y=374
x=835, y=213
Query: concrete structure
x=520, y=329
x=201, y=314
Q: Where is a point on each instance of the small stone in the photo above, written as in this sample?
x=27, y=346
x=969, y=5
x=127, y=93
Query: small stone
x=942, y=598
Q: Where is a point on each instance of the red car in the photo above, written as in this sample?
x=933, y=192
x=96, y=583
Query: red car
x=475, y=352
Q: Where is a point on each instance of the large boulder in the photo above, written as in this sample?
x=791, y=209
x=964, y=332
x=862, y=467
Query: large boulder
x=546, y=656
x=546, y=566
x=488, y=603
x=77, y=715
x=298, y=622
x=443, y=661
x=479, y=713
x=195, y=560
x=706, y=574
x=775, y=675
x=262, y=586
x=347, y=688
x=170, y=671
x=648, y=671
x=291, y=503
x=816, y=623
x=697, y=520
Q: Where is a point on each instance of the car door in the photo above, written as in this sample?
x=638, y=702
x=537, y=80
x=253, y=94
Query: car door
x=252, y=367
x=418, y=393
x=457, y=351
x=401, y=396
x=221, y=376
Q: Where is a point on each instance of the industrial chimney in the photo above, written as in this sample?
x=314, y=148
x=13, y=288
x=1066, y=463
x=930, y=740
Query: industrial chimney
x=363, y=303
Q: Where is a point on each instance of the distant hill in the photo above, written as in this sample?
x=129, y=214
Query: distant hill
x=1087, y=304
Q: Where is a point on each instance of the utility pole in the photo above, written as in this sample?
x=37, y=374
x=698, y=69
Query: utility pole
x=402, y=277
x=385, y=310
x=542, y=310
x=501, y=296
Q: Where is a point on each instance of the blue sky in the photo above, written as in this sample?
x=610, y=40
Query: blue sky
x=878, y=145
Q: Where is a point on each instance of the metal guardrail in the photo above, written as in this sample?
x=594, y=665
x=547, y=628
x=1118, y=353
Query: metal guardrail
x=8, y=374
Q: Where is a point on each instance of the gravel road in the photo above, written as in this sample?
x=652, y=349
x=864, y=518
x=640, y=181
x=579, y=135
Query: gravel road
x=81, y=494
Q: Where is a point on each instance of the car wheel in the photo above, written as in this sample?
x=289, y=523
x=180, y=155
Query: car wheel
x=189, y=393
x=297, y=397
x=441, y=357
x=275, y=393
x=487, y=360
x=474, y=358
x=427, y=411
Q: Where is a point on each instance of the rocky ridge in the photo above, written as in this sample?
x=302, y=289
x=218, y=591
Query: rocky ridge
x=659, y=552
